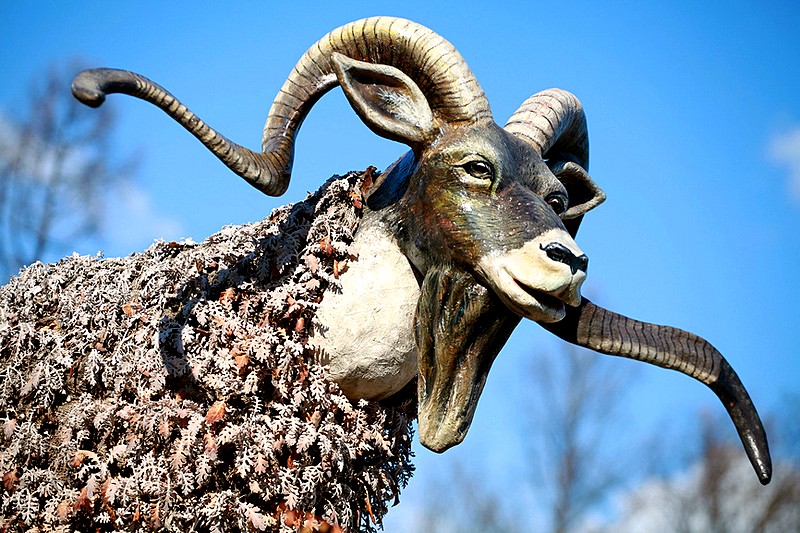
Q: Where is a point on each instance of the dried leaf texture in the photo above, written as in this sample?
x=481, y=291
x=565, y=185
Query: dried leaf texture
x=175, y=389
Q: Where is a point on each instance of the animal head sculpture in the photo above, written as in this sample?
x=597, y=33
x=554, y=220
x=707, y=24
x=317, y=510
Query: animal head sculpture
x=486, y=215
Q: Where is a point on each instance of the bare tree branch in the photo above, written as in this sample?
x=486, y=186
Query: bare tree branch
x=572, y=398
x=715, y=492
x=56, y=162
x=577, y=398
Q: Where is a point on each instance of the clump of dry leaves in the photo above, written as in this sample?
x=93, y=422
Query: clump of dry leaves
x=175, y=389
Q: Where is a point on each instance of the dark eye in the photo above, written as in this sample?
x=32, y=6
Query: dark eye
x=558, y=202
x=479, y=169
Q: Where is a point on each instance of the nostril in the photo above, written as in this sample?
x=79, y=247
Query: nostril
x=558, y=252
x=581, y=263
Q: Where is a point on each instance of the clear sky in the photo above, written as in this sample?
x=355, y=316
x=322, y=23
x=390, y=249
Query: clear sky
x=694, y=120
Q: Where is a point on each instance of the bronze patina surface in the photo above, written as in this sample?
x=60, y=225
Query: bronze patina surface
x=485, y=215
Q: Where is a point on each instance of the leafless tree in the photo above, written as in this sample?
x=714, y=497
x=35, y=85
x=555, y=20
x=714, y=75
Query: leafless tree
x=572, y=399
x=56, y=163
x=717, y=492
x=728, y=500
x=458, y=501
x=576, y=397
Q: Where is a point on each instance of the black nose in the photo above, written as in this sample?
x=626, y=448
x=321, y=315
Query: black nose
x=558, y=252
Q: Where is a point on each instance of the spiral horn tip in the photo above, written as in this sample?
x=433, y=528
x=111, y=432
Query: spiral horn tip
x=86, y=90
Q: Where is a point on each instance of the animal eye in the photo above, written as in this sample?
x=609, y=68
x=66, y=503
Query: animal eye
x=479, y=169
x=558, y=202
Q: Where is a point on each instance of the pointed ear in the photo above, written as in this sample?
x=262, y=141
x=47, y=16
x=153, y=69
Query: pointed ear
x=388, y=101
x=584, y=194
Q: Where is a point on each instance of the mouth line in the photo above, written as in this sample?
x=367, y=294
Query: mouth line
x=545, y=300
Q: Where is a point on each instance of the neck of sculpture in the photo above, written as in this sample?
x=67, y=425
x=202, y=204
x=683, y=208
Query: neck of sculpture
x=388, y=205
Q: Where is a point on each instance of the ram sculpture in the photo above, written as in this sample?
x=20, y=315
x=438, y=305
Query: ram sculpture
x=420, y=271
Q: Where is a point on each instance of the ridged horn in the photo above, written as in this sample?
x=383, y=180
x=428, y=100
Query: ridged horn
x=268, y=171
x=431, y=61
x=610, y=333
x=554, y=123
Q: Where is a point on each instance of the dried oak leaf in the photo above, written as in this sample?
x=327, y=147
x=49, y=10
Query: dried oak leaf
x=83, y=503
x=367, y=179
x=216, y=412
x=63, y=510
x=9, y=480
x=80, y=455
x=325, y=246
x=241, y=359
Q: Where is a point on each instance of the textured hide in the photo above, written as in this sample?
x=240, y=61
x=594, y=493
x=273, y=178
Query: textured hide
x=176, y=388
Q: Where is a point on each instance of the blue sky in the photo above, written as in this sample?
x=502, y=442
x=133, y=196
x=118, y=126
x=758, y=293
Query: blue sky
x=694, y=121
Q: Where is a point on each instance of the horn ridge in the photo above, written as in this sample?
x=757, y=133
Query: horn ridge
x=598, y=329
x=434, y=64
x=553, y=121
x=427, y=58
x=265, y=171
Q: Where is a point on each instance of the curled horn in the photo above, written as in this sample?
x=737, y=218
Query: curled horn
x=553, y=122
x=431, y=61
x=607, y=332
x=268, y=171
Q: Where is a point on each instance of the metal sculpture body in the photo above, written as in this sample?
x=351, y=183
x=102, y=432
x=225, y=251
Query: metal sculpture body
x=470, y=231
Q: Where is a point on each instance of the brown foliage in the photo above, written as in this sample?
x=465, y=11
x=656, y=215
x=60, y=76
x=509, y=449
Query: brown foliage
x=173, y=388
